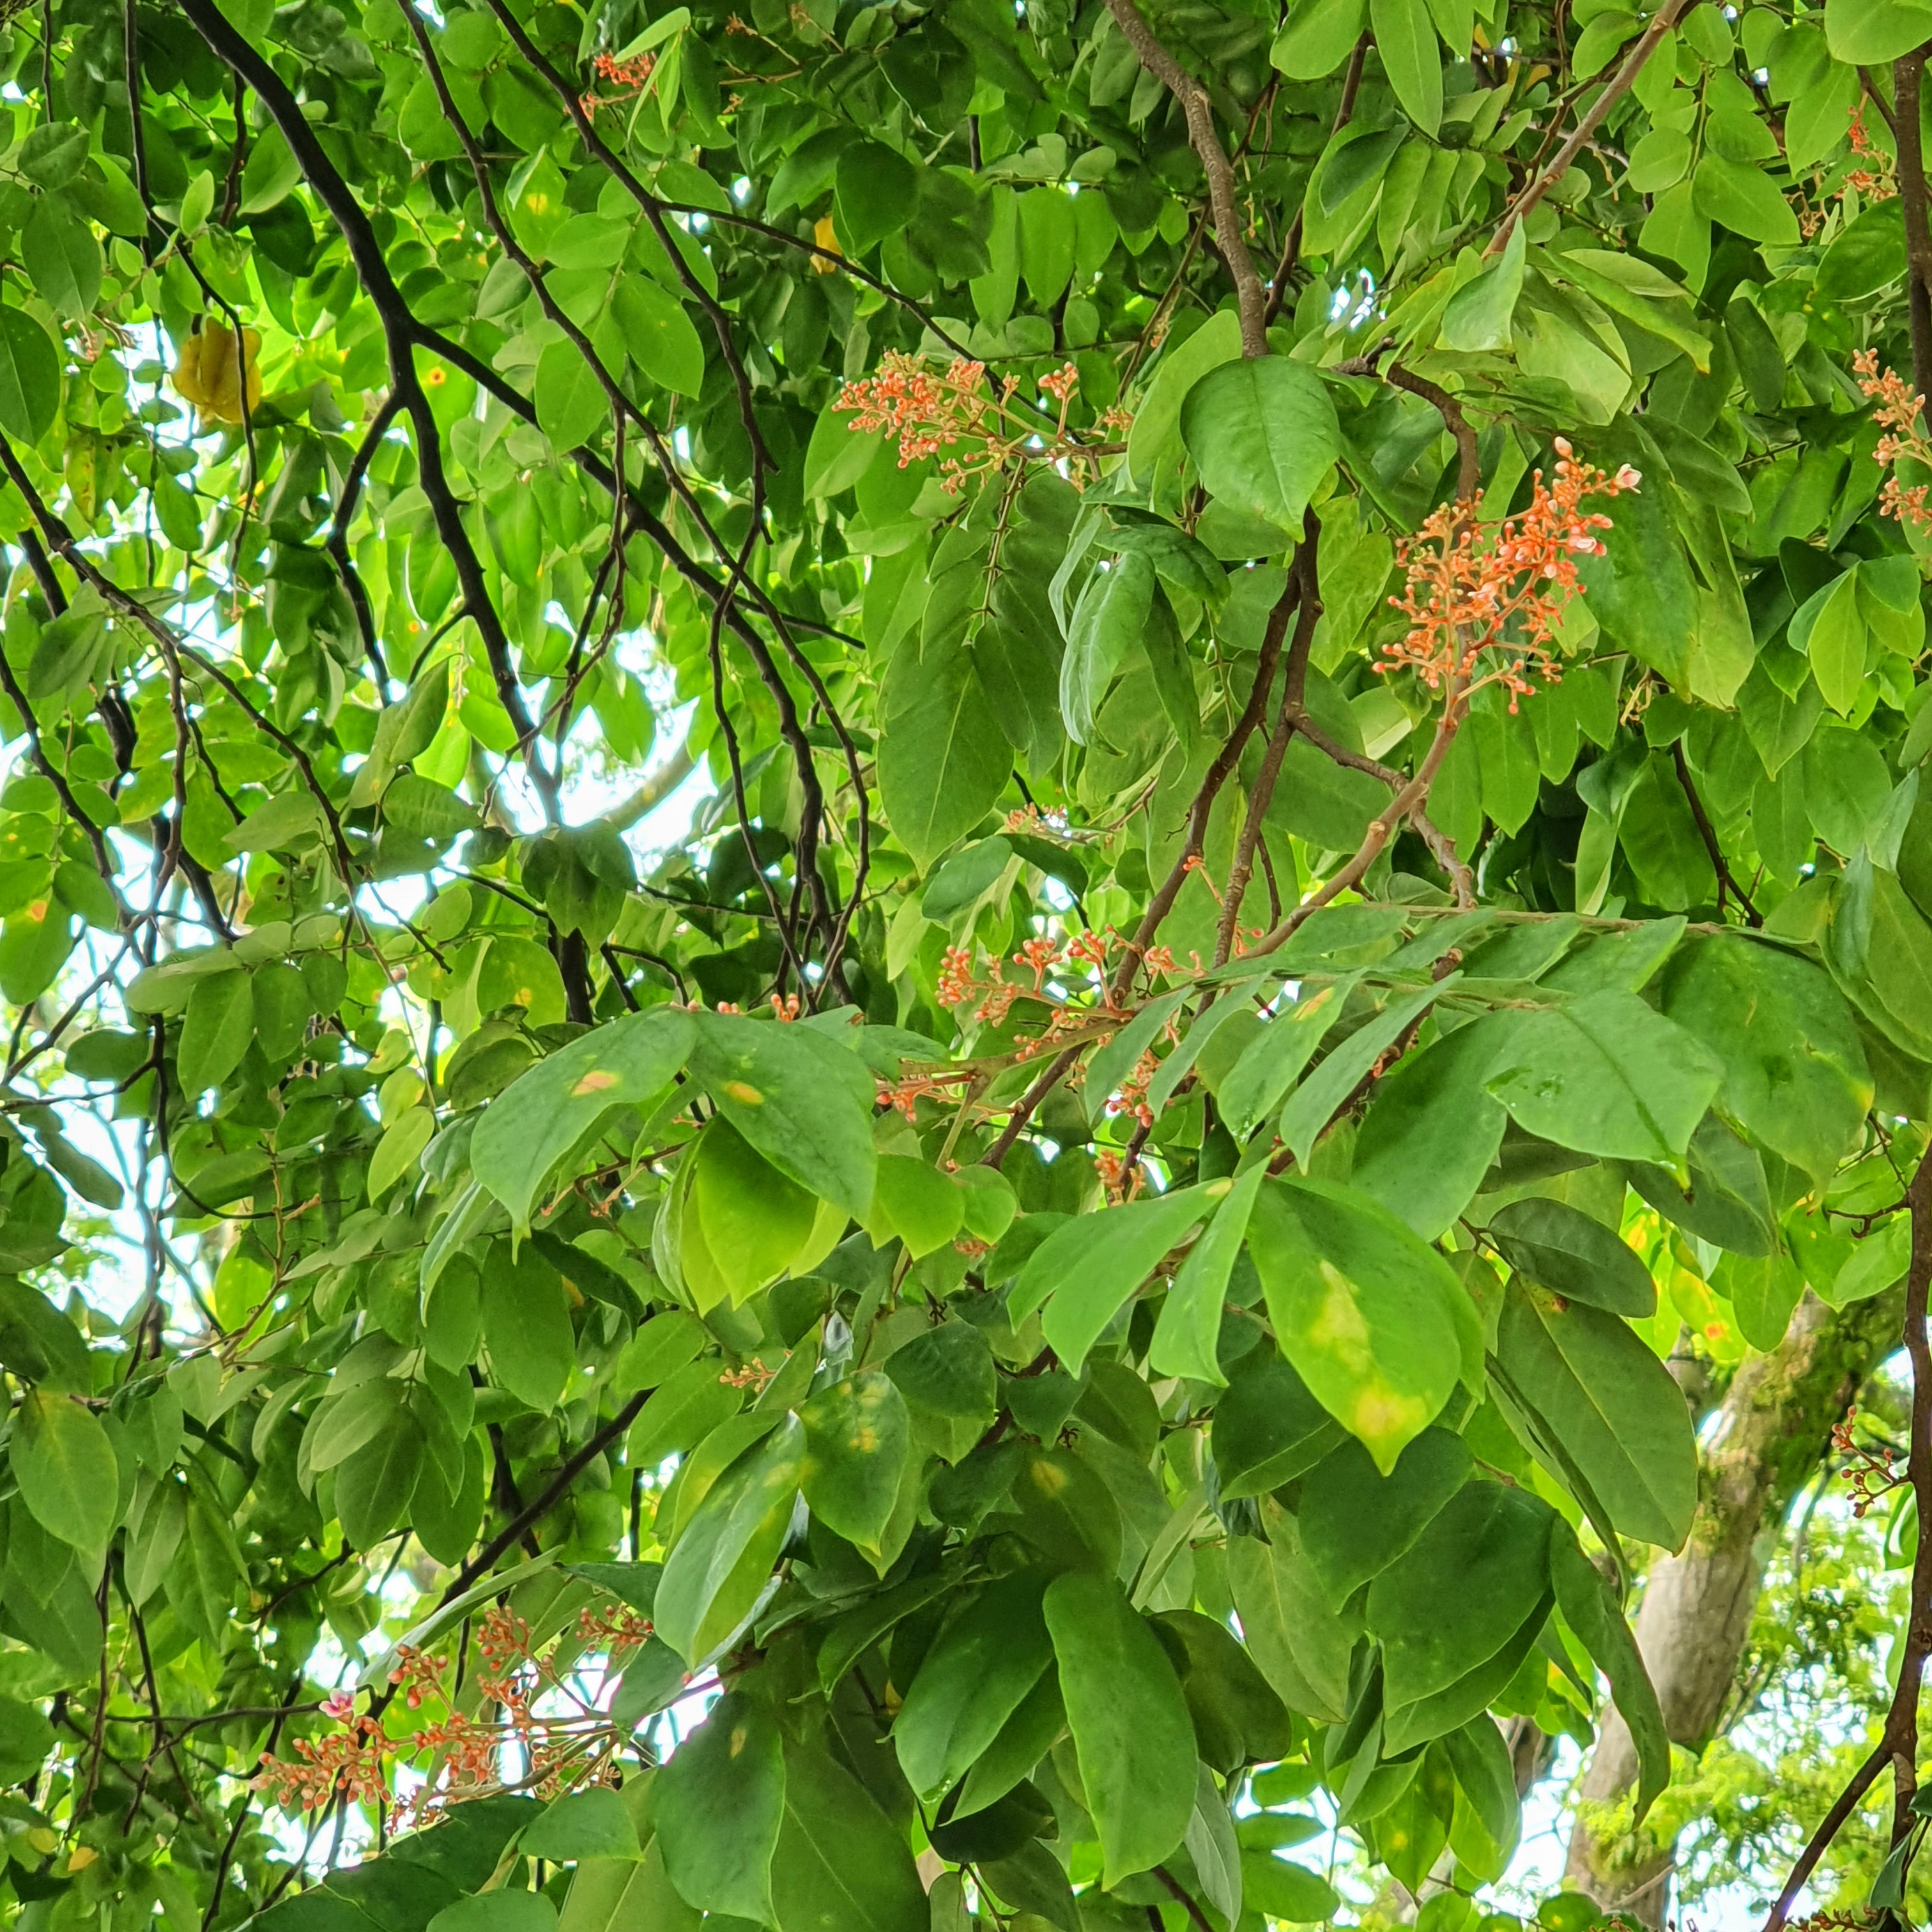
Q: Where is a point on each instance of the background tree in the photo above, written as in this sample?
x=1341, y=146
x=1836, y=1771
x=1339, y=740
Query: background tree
x=1281, y=1073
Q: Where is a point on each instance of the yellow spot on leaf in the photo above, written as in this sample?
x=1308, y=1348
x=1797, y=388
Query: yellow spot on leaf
x=744, y=1093
x=738, y=1734
x=599, y=1080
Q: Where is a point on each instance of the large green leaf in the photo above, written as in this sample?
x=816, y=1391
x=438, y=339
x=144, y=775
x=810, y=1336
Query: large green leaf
x=841, y=1867
x=1562, y=1249
x=720, y=1566
x=1132, y=1734
x=802, y=1100
x=857, y=1438
x=944, y=760
x=1373, y=1319
x=719, y=1805
x=534, y=1121
x=976, y=1675
x=65, y=1467
x=1262, y=432
x=1494, y=1540
x=1599, y=1394
x=1085, y=1273
x=1795, y=1076
x=1607, y=1075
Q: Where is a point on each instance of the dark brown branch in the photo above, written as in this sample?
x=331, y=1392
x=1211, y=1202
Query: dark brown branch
x=399, y=334
x=1249, y=296
x=1225, y=760
x=1468, y=464
x=1907, y=76
x=554, y=1493
x=1726, y=879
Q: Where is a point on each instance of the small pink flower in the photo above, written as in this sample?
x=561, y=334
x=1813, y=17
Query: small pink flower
x=340, y=1705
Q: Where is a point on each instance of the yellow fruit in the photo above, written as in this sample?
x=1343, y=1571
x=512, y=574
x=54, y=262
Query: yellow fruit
x=823, y=234
x=211, y=375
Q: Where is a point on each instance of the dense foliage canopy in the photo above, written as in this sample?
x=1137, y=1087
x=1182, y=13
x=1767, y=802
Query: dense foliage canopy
x=1304, y=633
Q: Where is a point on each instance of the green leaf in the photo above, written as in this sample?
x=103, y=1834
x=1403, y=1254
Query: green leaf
x=1589, y=1607
x=1373, y=1319
x=979, y=1670
x=1154, y=439
x=802, y=1100
x=420, y=808
x=913, y=1200
x=592, y=1824
x=1495, y=1540
x=39, y=1343
x=1599, y=1393
x=857, y=1438
x=1432, y=1131
x=65, y=1467
x=1300, y=1644
x=506, y=1910
x=62, y=259
x=1286, y=1891
x=1187, y=1333
x=526, y=1327
x=1354, y=1521
x=1132, y=1735
x=948, y=1373
x=572, y=406
x=841, y=1865
x=1565, y=1250
x=1744, y=200
x=1263, y=433
x=539, y=1116
x=690, y=1403
x=1085, y=1273
x=1862, y=33
x=944, y=760
x=1272, y=1061
x=1113, y=612
x=877, y=190
x=373, y=1486
x=1268, y=1428
x=1868, y=254
x=1319, y=36
x=1795, y=1076
x=1608, y=1075
x=397, y=1152
x=719, y=1805
x=215, y=1032
x=30, y=376
x=1830, y=628
x=660, y=337
x=1479, y=313
x=1406, y=39
x=1314, y=1103
x=720, y=1565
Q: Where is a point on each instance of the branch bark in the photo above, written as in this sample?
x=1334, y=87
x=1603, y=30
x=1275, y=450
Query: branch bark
x=1620, y=83
x=1907, y=79
x=1250, y=295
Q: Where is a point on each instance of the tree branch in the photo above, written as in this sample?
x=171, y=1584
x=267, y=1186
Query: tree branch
x=1250, y=297
x=1594, y=117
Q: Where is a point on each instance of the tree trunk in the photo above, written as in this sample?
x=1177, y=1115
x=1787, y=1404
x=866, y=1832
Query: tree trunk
x=1695, y=1616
